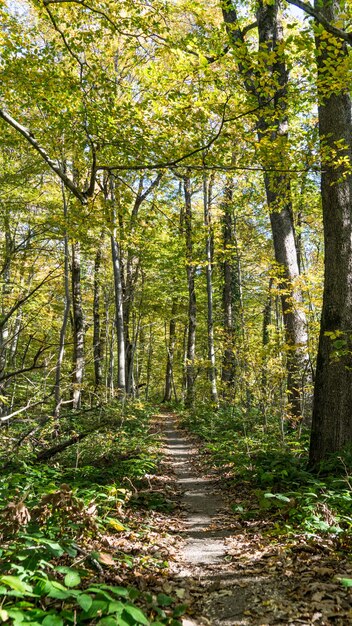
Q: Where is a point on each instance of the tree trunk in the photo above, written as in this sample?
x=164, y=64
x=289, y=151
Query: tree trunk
x=332, y=413
x=192, y=305
x=170, y=355
x=6, y=290
x=97, y=343
x=272, y=130
x=66, y=314
x=78, y=327
x=278, y=192
x=149, y=362
x=121, y=360
x=267, y=314
x=118, y=287
x=207, y=189
x=230, y=294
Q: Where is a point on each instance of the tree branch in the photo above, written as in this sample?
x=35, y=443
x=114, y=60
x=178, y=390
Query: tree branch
x=54, y=166
x=24, y=299
x=337, y=32
x=30, y=368
x=6, y=418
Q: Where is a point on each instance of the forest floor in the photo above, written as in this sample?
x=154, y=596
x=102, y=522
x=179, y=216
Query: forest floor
x=232, y=571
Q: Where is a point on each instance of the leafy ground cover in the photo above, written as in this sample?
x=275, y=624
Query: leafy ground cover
x=84, y=533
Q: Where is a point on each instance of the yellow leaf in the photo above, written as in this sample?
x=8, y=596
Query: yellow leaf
x=116, y=525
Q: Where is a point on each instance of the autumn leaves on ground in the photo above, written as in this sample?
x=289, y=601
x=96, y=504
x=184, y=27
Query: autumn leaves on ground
x=146, y=522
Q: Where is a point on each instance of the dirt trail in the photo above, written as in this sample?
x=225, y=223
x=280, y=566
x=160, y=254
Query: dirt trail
x=234, y=573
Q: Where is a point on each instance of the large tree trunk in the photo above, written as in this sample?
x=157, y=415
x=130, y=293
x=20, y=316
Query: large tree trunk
x=272, y=131
x=332, y=409
x=207, y=189
x=278, y=192
x=192, y=305
x=78, y=327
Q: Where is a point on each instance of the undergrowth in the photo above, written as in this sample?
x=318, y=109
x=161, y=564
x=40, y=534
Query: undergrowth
x=69, y=530
x=274, y=472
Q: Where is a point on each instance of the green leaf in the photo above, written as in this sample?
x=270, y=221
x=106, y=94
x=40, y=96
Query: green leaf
x=96, y=609
x=119, y=591
x=17, y=584
x=54, y=547
x=136, y=613
x=84, y=601
x=53, y=620
x=164, y=600
x=55, y=590
x=116, y=607
x=346, y=582
x=277, y=496
x=72, y=579
x=108, y=621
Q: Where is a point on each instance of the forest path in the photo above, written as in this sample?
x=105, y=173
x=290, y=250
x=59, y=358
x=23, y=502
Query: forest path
x=233, y=572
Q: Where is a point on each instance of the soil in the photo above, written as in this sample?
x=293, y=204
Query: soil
x=236, y=573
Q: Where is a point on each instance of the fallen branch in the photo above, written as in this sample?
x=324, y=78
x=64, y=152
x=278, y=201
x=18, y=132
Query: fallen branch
x=45, y=455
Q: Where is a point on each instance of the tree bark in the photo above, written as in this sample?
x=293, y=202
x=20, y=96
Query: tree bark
x=332, y=413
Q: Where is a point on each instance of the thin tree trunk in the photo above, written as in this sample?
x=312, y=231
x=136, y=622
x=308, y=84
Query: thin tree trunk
x=184, y=353
x=228, y=360
x=192, y=305
x=78, y=327
x=111, y=362
x=149, y=362
x=97, y=343
x=121, y=360
x=332, y=414
x=4, y=329
x=207, y=189
x=132, y=269
x=170, y=355
x=119, y=312
x=267, y=314
x=66, y=314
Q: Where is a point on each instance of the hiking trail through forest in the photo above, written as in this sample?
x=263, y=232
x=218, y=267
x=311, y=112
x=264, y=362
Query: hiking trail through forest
x=234, y=571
